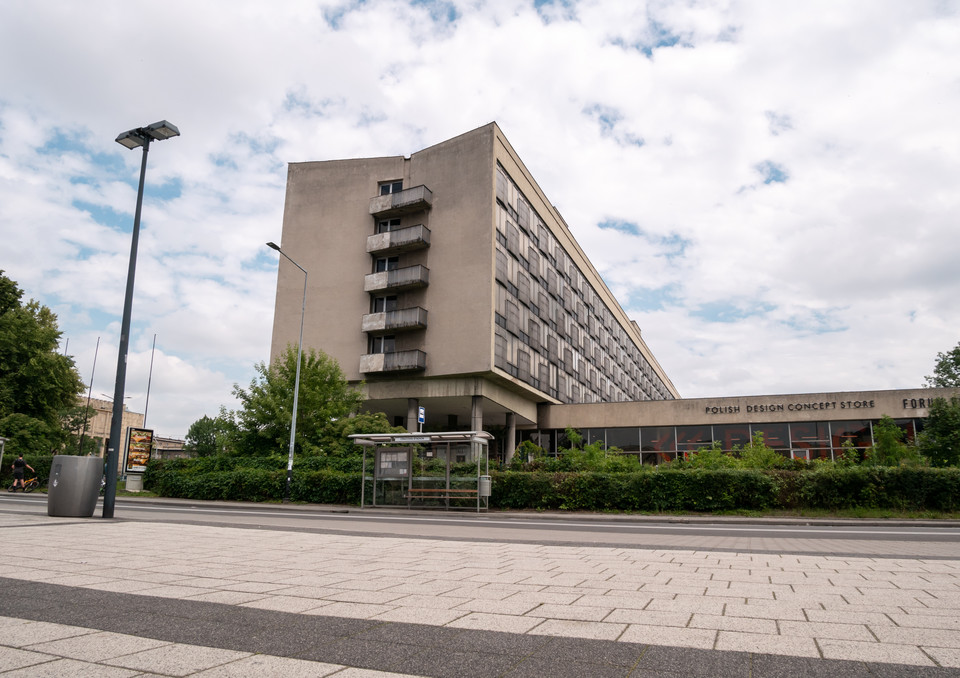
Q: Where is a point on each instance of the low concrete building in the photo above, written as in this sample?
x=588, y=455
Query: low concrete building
x=807, y=426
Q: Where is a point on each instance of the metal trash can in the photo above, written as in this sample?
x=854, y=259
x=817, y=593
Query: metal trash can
x=74, y=486
x=485, y=486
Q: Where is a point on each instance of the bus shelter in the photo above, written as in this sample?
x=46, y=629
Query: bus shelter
x=426, y=470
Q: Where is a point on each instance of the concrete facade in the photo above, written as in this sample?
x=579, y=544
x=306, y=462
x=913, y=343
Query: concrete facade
x=447, y=280
x=805, y=426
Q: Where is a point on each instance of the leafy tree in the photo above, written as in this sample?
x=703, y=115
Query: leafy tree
x=209, y=436
x=263, y=420
x=709, y=457
x=72, y=422
x=889, y=448
x=37, y=384
x=757, y=454
x=940, y=440
x=946, y=373
x=527, y=452
x=28, y=435
x=364, y=422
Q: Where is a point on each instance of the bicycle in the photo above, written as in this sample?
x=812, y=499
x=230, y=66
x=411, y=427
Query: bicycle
x=28, y=486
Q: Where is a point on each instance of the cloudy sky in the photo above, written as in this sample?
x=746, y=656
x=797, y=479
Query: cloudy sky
x=771, y=189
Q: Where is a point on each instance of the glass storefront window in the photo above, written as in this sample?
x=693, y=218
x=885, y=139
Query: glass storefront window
x=908, y=428
x=857, y=432
x=658, y=439
x=692, y=438
x=627, y=439
x=732, y=434
x=594, y=435
x=808, y=435
x=776, y=436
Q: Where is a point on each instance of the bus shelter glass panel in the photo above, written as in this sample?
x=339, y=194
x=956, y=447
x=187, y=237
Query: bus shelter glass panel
x=693, y=438
x=857, y=433
x=627, y=439
x=391, y=475
x=731, y=435
x=445, y=474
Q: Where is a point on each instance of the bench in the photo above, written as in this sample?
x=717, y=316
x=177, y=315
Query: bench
x=439, y=493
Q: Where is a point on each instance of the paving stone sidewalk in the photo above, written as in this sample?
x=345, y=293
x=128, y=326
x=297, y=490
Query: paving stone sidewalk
x=133, y=598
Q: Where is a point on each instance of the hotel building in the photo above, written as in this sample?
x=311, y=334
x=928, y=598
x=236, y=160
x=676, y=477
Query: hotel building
x=447, y=281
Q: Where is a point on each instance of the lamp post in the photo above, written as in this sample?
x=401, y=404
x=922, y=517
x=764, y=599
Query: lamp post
x=135, y=138
x=296, y=386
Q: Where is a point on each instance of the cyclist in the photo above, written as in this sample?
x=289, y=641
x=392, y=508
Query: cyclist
x=18, y=466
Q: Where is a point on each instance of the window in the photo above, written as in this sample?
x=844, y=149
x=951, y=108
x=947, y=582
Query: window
x=384, y=304
x=385, y=344
x=387, y=264
x=388, y=187
x=388, y=225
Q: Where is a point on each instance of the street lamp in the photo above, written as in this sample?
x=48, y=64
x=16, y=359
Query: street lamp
x=296, y=386
x=135, y=138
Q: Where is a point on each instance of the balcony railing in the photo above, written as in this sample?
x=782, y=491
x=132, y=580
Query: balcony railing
x=401, y=240
x=414, y=199
x=399, y=361
x=398, y=279
x=395, y=321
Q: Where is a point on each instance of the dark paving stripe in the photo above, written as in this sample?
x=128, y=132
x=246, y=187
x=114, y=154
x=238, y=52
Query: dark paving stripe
x=419, y=649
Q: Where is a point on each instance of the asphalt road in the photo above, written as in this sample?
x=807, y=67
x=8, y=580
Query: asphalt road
x=849, y=537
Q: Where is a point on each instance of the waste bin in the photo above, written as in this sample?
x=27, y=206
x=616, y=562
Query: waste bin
x=74, y=485
x=485, y=486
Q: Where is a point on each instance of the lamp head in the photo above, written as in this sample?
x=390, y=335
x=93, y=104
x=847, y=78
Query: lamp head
x=141, y=136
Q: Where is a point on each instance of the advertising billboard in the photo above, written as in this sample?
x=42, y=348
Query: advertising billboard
x=139, y=446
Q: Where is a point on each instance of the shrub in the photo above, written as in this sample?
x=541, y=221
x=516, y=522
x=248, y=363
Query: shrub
x=712, y=457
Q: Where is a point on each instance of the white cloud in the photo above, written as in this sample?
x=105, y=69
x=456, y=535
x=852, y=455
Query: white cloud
x=664, y=117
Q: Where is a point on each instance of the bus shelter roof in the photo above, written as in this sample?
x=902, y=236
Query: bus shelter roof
x=373, y=439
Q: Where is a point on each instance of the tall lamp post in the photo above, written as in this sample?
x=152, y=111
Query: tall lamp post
x=296, y=386
x=135, y=138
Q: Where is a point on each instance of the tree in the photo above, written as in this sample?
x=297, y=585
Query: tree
x=209, y=436
x=364, y=422
x=889, y=448
x=37, y=384
x=940, y=440
x=263, y=420
x=946, y=373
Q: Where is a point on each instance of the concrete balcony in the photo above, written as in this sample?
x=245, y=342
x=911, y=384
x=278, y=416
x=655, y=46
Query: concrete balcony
x=416, y=199
x=407, y=278
x=395, y=321
x=401, y=240
x=399, y=361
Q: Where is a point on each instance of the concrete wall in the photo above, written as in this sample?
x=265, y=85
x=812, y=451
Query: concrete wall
x=850, y=405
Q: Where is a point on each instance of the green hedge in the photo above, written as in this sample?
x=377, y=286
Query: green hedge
x=656, y=491
x=317, y=480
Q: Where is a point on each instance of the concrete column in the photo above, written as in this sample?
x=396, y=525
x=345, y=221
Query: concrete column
x=511, y=437
x=476, y=413
x=413, y=410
